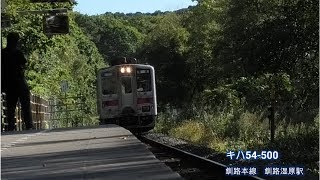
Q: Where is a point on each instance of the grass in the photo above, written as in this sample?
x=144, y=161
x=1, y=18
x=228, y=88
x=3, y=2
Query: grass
x=298, y=144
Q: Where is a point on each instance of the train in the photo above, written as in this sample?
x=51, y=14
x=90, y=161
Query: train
x=126, y=95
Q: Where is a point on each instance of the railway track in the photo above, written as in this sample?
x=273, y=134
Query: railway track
x=188, y=165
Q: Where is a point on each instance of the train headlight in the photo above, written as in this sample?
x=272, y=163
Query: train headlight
x=128, y=69
x=125, y=70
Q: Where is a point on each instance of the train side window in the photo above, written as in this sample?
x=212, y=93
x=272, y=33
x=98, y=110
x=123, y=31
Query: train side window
x=143, y=80
x=108, y=85
x=126, y=85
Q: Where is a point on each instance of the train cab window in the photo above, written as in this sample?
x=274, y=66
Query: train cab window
x=126, y=84
x=143, y=80
x=108, y=84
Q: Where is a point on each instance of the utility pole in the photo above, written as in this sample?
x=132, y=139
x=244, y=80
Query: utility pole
x=271, y=109
x=271, y=121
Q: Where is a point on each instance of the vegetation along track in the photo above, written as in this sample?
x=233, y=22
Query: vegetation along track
x=188, y=165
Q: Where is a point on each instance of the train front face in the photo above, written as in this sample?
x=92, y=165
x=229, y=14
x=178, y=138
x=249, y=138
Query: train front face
x=129, y=96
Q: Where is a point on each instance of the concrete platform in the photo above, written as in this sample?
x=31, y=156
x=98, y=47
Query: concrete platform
x=104, y=152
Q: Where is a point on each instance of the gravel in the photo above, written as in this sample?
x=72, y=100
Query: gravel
x=183, y=167
x=189, y=147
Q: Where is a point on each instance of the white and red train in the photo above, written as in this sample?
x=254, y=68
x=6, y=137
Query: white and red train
x=127, y=96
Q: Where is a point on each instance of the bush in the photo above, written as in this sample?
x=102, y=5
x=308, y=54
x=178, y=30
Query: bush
x=165, y=122
x=253, y=129
x=232, y=130
x=190, y=130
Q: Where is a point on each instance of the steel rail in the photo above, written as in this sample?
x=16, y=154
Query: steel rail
x=198, y=161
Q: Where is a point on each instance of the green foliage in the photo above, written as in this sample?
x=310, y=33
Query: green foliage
x=190, y=130
x=164, y=48
x=271, y=38
x=71, y=57
x=111, y=36
x=165, y=121
x=205, y=31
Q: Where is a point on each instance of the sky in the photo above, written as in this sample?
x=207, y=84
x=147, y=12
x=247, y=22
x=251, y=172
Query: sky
x=94, y=7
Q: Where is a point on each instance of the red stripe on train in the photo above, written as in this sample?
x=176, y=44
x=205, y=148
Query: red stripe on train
x=144, y=100
x=110, y=103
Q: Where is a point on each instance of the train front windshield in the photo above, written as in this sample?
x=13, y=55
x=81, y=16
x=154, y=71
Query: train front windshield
x=108, y=84
x=143, y=80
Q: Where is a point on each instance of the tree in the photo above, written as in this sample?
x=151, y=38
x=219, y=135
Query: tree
x=165, y=48
x=110, y=35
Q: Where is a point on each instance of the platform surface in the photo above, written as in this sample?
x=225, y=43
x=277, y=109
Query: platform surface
x=104, y=152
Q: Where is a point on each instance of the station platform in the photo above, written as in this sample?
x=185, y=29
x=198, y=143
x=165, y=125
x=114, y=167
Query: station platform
x=103, y=152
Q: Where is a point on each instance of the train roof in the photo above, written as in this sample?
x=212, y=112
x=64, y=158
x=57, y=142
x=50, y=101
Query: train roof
x=120, y=65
